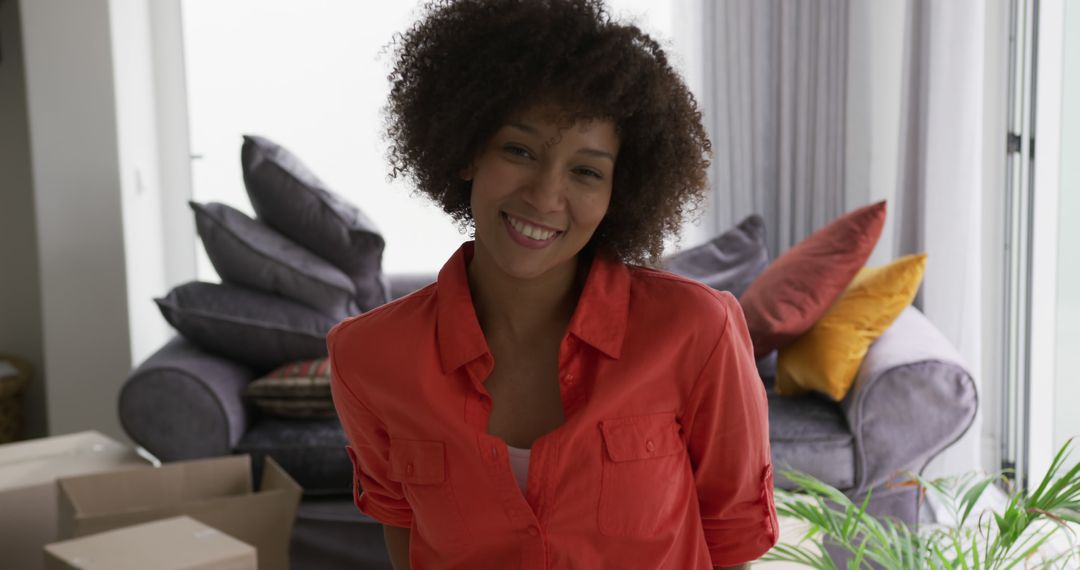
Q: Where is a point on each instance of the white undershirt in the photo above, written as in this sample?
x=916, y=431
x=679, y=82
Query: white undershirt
x=519, y=464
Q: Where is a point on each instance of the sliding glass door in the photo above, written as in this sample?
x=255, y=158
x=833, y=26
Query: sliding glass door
x=1041, y=300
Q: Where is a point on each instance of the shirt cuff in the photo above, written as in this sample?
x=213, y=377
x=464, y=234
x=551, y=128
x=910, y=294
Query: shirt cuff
x=745, y=538
x=385, y=515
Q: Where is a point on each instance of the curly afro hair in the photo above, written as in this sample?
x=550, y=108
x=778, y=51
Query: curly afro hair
x=466, y=66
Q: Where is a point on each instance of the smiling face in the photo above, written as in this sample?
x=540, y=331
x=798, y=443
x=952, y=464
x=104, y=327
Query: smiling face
x=539, y=192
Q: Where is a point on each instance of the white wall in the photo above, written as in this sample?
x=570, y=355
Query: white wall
x=20, y=302
x=89, y=85
x=79, y=218
x=140, y=187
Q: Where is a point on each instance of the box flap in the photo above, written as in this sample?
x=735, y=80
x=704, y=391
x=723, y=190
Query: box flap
x=263, y=519
x=43, y=460
x=173, y=543
x=275, y=477
x=171, y=484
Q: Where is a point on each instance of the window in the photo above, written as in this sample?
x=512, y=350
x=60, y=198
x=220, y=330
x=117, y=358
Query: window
x=308, y=75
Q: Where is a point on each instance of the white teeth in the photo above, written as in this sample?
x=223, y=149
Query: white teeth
x=532, y=232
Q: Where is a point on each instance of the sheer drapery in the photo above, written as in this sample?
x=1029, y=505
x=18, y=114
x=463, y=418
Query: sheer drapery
x=775, y=94
x=803, y=130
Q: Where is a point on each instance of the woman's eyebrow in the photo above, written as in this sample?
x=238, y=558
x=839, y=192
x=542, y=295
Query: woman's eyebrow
x=589, y=151
x=524, y=127
x=597, y=153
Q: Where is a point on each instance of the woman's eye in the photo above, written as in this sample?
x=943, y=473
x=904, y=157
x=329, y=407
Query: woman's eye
x=517, y=150
x=590, y=172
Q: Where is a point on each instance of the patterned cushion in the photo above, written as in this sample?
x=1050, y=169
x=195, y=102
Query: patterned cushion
x=249, y=253
x=291, y=199
x=295, y=390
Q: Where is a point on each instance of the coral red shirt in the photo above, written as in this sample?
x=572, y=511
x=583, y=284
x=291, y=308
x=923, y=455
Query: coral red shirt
x=662, y=462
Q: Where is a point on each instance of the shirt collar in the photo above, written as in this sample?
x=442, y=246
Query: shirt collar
x=599, y=319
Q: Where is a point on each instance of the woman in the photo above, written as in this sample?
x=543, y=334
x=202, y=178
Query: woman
x=550, y=402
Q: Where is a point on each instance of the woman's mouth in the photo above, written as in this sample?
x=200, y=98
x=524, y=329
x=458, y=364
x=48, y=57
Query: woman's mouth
x=528, y=235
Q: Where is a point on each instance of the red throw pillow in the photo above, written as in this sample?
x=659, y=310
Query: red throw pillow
x=795, y=290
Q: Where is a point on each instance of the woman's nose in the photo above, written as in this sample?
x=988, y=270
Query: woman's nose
x=546, y=191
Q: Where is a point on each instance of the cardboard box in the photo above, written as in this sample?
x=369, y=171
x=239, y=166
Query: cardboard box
x=28, y=473
x=216, y=492
x=178, y=543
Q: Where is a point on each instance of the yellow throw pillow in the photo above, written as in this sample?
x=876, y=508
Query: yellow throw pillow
x=827, y=358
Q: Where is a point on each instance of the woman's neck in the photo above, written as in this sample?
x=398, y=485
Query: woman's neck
x=517, y=310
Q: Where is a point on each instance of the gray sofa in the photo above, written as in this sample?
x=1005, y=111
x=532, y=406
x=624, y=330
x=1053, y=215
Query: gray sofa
x=913, y=397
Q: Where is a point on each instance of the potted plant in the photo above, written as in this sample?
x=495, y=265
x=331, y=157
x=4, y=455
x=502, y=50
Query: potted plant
x=973, y=539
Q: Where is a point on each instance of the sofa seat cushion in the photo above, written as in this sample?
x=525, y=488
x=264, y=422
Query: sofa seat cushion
x=311, y=451
x=809, y=434
x=331, y=534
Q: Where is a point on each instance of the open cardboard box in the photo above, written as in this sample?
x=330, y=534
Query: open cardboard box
x=216, y=492
x=178, y=543
x=28, y=474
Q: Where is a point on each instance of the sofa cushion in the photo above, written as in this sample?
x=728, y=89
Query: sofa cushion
x=401, y=284
x=295, y=390
x=809, y=434
x=728, y=262
x=796, y=289
x=249, y=253
x=827, y=357
x=291, y=199
x=311, y=451
x=253, y=328
x=298, y=408
x=295, y=380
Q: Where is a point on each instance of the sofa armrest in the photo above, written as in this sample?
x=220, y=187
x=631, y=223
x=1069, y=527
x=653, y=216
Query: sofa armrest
x=185, y=403
x=912, y=398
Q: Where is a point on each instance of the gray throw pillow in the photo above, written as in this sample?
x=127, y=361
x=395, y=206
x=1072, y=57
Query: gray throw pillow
x=260, y=330
x=249, y=253
x=728, y=262
x=291, y=199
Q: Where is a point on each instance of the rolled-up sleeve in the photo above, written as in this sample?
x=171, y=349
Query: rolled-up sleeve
x=374, y=493
x=727, y=424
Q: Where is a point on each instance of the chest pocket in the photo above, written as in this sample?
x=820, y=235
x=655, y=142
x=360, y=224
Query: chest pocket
x=420, y=467
x=646, y=483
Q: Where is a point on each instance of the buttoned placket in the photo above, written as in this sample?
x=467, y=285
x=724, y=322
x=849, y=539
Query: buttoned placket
x=525, y=511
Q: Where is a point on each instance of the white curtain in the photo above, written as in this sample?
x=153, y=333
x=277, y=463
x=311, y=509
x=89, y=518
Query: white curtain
x=939, y=193
x=816, y=107
x=774, y=87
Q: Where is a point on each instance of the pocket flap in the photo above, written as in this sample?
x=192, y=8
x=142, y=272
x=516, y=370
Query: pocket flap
x=641, y=437
x=417, y=462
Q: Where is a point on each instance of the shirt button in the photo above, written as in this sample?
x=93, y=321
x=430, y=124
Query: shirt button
x=409, y=469
x=533, y=531
x=650, y=446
